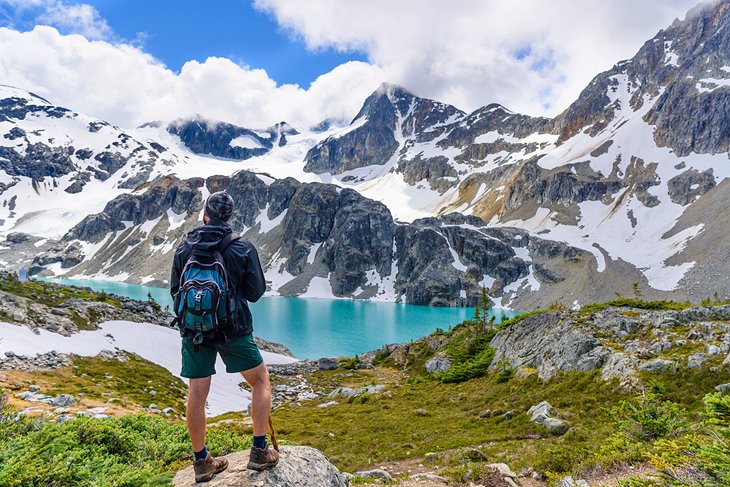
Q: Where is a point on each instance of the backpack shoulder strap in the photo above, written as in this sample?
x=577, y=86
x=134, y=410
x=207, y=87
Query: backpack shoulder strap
x=227, y=241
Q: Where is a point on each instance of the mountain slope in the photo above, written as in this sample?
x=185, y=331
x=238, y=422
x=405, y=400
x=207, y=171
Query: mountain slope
x=316, y=240
x=618, y=175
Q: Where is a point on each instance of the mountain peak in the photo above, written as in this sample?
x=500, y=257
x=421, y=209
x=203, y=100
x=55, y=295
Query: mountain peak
x=7, y=91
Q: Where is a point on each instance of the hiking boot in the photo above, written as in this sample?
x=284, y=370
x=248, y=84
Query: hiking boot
x=205, y=469
x=262, y=459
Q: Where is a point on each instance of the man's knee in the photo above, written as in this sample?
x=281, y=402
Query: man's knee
x=198, y=390
x=258, y=377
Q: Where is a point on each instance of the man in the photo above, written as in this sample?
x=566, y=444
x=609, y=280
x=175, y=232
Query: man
x=234, y=342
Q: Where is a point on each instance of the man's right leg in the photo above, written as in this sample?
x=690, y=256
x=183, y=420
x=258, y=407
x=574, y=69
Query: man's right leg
x=195, y=411
x=199, y=365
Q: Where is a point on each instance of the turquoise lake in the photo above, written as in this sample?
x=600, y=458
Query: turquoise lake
x=314, y=328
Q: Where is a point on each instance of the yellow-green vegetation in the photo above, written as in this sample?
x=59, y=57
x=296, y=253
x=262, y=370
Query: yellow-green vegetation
x=134, y=381
x=387, y=426
x=137, y=380
x=132, y=450
x=51, y=294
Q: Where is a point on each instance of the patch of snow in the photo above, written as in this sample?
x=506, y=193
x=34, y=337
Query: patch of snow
x=41, y=242
x=319, y=287
x=711, y=84
x=176, y=221
x=266, y=224
x=247, y=142
x=313, y=252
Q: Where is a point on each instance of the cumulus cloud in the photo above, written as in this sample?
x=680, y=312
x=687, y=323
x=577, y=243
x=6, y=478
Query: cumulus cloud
x=532, y=56
x=126, y=86
x=72, y=18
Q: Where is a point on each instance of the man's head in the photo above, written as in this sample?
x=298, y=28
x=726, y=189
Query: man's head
x=218, y=206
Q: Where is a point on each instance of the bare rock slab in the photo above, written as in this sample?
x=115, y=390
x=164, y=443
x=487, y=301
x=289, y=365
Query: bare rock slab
x=299, y=466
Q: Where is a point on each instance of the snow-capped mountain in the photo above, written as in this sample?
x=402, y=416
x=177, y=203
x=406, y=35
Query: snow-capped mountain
x=627, y=186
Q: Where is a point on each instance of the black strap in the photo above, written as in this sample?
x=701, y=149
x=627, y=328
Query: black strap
x=227, y=241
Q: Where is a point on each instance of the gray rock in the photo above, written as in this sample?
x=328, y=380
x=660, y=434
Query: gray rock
x=214, y=138
x=723, y=388
x=377, y=473
x=715, y=350
x=657, y=365
x=328, y=364
x=438, y=363
x=34, y=388
x=618, y=366
x=506, y=416
x=541, y=412
x=10, y=354
x=696, y=360
x=348, y=392
x=570, y=482
x=705, y=313
x=17, y=237
x=327, y=404
x=548, y=342
x=63, y=400
x=299, y=466
x=503, y=469
x=556, y=426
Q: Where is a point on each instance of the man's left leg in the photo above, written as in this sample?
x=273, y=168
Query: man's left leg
x=242, y=355
x=258, y=379
x=262, y=456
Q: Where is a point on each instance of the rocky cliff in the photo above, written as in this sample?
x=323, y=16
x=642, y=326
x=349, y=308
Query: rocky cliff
x=318, y=239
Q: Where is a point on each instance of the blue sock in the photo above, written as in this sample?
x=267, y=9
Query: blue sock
x=202, y=454
x=259, y=442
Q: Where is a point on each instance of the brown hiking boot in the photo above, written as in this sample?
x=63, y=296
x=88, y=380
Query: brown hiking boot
x=207, y=468
x=262, y=459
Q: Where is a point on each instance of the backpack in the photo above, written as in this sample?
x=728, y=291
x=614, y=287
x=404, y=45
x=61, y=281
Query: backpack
x=205, y=301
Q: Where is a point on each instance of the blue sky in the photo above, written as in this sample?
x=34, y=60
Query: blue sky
x=178, y=31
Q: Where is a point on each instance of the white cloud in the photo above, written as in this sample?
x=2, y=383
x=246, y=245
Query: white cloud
x=126, y=86
x=70, y=18
x=80, y=19
x=533, y=56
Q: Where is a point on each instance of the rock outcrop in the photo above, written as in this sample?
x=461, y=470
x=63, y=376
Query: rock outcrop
x=617, y=341
x=314, y=231
x=298, y=466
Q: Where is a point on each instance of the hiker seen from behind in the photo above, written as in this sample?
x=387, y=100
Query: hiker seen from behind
x=215, y=273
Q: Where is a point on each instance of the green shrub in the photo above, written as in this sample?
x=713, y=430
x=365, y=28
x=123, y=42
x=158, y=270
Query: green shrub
x=504, y=375
x=648, y=418
x=715, y=457
x=133, y=450
x=476, y=366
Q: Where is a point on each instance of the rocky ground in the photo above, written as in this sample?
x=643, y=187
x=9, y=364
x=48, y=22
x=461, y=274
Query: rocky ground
x=624, y=344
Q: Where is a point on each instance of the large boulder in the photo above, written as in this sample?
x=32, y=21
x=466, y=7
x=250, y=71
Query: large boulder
x=299, y=466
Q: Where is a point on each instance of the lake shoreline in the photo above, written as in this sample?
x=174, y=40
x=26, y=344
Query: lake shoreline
x=317, y=327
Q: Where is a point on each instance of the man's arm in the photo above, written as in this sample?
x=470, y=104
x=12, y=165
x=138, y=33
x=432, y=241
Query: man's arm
x=253, y=282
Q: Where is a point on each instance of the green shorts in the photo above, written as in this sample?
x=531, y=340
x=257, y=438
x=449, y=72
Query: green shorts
x=239, y=354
